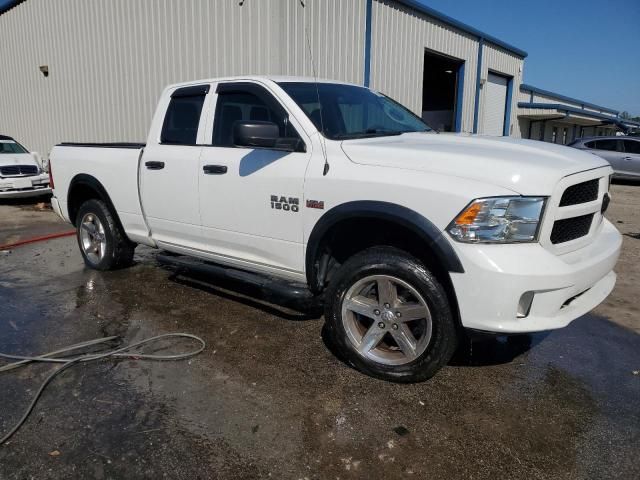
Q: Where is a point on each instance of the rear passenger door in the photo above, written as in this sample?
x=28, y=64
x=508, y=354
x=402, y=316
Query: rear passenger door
x=631, y=157
x=251, y=198
x=169, y=171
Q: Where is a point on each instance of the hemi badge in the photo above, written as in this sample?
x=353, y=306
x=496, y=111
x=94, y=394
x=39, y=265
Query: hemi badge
x=315, y=204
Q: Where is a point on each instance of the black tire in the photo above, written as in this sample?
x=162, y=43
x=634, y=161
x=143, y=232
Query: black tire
x=119, y=249
x=398, y=264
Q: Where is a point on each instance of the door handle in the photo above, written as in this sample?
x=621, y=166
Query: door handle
x=154, y=165
x=214, y=169
x=626, y=158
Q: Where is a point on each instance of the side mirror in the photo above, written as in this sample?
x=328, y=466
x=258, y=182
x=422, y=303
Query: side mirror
x=262, y=134
x=255, y=134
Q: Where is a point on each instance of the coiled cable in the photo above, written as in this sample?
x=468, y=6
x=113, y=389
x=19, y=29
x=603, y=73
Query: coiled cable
x=67, y=362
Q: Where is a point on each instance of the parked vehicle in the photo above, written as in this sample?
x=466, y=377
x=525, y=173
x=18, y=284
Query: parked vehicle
x=623, y=153
x=408, y=236
x=21, y=174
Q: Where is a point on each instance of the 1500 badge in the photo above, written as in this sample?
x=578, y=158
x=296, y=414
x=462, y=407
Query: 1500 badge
x=288, y=204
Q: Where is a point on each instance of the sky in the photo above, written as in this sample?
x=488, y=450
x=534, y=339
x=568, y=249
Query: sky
x=586, y=49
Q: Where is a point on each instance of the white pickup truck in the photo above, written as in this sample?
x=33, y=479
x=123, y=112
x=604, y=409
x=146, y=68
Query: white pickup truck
x=408, y=236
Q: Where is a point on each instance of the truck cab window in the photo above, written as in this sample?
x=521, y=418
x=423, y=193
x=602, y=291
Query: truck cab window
x=181, y=121
x=237, y=105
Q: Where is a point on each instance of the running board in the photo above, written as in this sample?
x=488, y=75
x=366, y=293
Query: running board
x=275, y=290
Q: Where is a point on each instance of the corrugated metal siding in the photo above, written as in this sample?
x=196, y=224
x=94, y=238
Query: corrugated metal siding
x=400, y=36
x=109, y=61
x=549, y=99
x=537, y=98
x=499, y=60
x=524, y=96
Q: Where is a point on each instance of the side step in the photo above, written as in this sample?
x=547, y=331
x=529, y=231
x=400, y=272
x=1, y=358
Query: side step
x=274, y=290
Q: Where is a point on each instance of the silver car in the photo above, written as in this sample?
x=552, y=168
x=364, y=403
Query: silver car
x=623, y=153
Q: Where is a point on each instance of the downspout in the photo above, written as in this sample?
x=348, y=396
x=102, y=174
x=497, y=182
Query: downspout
x=460, y=97
x=367, y=43
x=507, y=114
x=476, y=107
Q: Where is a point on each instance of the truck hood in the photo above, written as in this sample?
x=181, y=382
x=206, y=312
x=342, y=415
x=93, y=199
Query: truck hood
x=527, y=167
x=7, y=159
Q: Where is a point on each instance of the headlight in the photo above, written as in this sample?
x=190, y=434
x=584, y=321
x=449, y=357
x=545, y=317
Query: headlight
x=499, y=220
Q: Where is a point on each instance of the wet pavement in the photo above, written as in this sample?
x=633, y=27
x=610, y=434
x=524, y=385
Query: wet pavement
x=268, y=398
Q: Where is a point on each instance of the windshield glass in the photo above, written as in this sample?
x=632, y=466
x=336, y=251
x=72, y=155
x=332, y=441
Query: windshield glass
x=351, y=112
x=9, y=146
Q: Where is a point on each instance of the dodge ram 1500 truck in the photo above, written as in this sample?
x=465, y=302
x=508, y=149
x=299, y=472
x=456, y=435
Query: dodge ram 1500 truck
x=408, y=236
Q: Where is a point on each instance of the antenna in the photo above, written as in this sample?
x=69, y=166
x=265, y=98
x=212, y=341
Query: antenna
x=323, y=146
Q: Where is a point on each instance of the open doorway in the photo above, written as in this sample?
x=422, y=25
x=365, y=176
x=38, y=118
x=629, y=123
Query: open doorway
x=440, y=86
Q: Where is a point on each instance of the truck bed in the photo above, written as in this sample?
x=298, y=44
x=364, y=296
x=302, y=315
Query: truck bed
x=115, y=166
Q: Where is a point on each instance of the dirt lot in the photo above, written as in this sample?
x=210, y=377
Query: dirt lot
x=268, y=398
x=623, y=305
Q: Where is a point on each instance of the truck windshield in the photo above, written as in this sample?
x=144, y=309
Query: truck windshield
x=350, y=112
x=9, y=146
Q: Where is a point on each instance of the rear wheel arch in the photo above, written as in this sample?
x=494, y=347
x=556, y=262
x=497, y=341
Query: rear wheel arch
x=85, y=187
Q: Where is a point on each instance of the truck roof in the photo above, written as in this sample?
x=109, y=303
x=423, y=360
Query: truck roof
x=272, y=78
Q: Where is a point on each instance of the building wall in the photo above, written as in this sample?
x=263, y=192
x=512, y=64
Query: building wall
x=400, y=37
x=577, y=124
x=499, y=60
x=109, y=61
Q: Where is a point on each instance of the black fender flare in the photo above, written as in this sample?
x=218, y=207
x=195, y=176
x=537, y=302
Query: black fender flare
x=93, y=183
x=403, y=216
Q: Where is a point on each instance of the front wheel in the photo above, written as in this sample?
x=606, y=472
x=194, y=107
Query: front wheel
x=390, y=317
x=102, y=242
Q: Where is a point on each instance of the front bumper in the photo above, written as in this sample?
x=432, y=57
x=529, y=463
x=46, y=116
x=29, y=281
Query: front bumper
x=23, y=187
x=565, y=286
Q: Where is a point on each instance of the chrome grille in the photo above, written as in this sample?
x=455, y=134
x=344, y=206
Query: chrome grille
x=569, y=229
x=14, y=170
x=580, y=193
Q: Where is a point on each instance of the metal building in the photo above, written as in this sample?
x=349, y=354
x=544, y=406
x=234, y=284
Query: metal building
x=551, y=117
x=90, y=70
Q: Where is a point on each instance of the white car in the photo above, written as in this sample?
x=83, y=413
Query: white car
x=408, y=236
x=21, y=174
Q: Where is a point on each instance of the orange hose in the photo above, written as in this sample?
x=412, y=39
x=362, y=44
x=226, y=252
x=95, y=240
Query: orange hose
x=43, y=238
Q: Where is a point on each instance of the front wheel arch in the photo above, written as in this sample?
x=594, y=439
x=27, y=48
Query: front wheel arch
x=404, y=218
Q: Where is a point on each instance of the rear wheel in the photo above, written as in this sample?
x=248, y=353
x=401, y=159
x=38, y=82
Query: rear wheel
x=390, y=316
x=102, y=242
